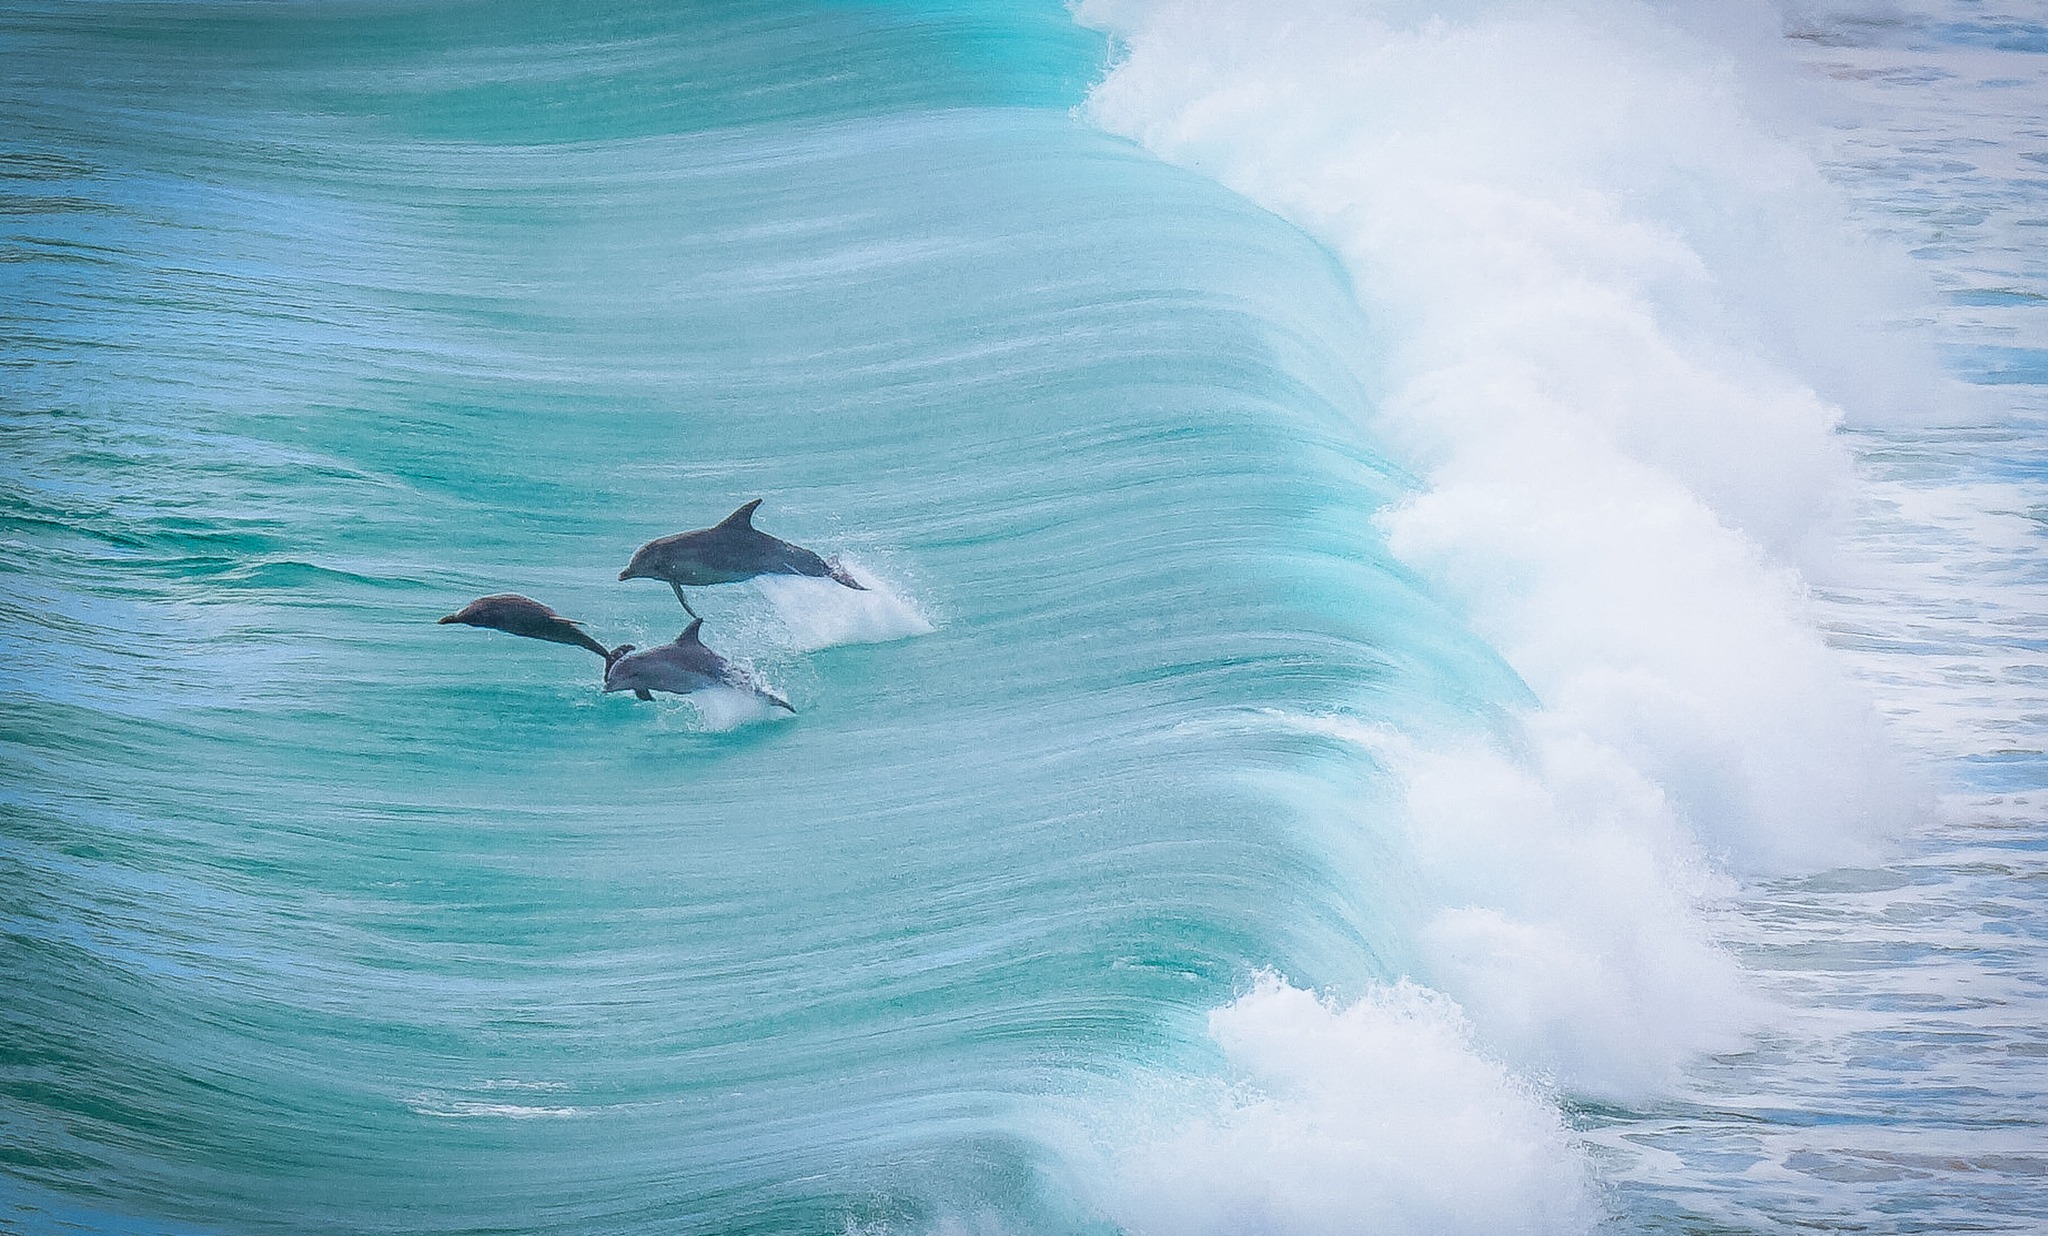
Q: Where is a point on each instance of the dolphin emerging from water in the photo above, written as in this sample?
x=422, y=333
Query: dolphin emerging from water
x=726, y=553
x=518, y=615
x=680, y=668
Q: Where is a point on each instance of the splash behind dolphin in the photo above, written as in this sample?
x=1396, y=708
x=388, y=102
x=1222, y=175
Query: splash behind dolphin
x=680, y=668
x=518, y=615
x=726, y=553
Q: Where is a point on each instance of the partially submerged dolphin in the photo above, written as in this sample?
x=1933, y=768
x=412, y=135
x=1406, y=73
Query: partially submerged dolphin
x=680, y=668
x=518, y=615
x=726, y=553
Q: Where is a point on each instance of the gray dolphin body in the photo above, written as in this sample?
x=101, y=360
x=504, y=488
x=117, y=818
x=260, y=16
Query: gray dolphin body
x=726, y=553
x=680, y=668
x=518, y=615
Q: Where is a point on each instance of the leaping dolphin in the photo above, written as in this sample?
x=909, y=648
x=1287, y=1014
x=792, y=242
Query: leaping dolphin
x=726, y=553
x=680, y=668
x=518, y=615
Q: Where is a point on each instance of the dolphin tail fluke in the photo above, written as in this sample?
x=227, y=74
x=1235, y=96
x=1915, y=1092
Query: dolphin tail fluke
x=611, y=658
x=839, y=574
x=779, y=702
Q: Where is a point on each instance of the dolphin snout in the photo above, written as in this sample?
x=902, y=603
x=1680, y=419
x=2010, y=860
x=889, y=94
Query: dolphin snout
x=626, y=574
x=455, y=617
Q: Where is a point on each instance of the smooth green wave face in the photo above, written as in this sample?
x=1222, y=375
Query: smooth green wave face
x=322, y=320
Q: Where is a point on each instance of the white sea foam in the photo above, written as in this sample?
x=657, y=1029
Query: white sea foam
x=1619, y=318
x=1379, y=1116
x=1562, y=906
x=819, y=613
x=446, y=1107
x=1556, y=214
x=1567, y=914
x=727, y=708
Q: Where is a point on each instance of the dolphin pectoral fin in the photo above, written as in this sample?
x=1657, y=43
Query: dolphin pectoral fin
x=679, y=596
x=642, y=693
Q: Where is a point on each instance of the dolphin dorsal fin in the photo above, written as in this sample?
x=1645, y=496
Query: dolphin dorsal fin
x=689, y=635
x=742, y=518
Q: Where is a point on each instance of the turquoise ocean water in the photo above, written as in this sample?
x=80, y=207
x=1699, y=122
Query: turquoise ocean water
x=1423, y=672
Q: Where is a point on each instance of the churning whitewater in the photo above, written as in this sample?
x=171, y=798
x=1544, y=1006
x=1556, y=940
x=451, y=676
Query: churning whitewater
x=1361, y=617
